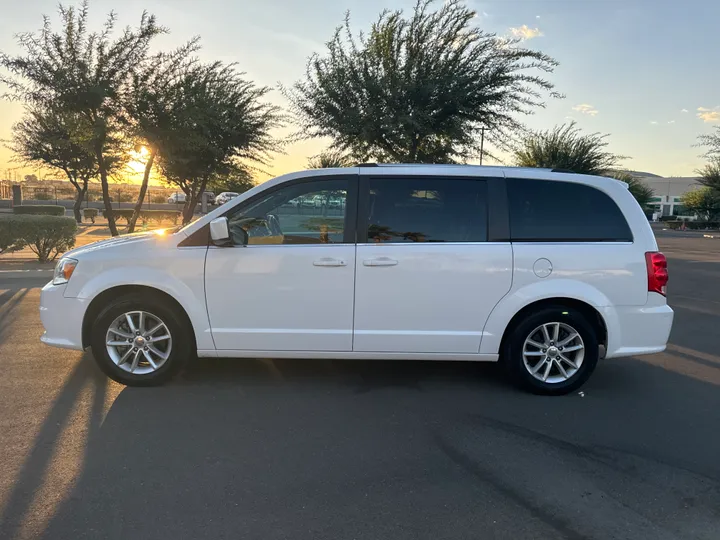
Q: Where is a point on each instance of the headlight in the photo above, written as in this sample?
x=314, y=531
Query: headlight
x=63, y=270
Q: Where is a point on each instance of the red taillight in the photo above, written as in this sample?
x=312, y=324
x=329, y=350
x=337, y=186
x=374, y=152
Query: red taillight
x=656, y=271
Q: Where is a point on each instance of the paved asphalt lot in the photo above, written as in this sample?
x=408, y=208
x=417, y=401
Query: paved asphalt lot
x=365, y=450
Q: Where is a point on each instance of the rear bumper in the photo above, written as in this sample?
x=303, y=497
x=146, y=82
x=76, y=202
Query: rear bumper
x=641, y=330
x=61, y=317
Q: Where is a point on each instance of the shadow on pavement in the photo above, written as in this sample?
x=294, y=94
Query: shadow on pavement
x=316, y=449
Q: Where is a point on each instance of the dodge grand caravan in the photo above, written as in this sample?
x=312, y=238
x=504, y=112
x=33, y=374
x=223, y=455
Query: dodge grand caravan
x=543, y=271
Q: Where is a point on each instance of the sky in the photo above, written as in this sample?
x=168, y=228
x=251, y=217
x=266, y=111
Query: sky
x=643, y=71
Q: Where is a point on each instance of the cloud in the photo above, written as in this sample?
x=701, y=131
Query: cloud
x=684, y=110
x=709, y=115
x=524, y=32
x=653, y=122
x=584, y=108
x=537, y=16
x=671, y=122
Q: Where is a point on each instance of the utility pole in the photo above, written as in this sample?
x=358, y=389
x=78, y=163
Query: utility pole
x=482, y=143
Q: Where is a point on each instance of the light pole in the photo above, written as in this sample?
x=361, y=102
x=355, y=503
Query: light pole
x=482, y=143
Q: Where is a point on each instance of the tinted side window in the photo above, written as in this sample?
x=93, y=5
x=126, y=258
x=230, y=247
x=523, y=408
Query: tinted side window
x=427, y=210
x=542, y=210
x=301, y=213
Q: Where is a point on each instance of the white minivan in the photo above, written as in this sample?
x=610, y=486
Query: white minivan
x=544, y=271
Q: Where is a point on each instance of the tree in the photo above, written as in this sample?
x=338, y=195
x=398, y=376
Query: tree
x=330, y=159
x=419, y=88
x=215, y=118
x=86, y=73
x=237, y=179
x=704, y=202
x=712, y=143
x=565, y=147
x=147, y=106
x=642, y=192
x=710, y=175
x=56, y=139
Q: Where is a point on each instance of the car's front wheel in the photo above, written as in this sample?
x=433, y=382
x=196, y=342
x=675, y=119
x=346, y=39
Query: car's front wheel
x=553, y=351
x=140, y=341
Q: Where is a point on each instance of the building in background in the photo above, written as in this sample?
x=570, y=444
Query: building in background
x=668, y=192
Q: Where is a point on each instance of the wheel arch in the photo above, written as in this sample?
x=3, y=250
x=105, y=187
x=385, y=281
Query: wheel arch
x=593, y=316
x=100, y=301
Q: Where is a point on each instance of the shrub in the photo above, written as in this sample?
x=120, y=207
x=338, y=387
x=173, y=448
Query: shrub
x=40, y=210
x=693, y=225
x=46, y=236
x=158, y=199
x=157, y=216
x=90, y=213
x=43, y=196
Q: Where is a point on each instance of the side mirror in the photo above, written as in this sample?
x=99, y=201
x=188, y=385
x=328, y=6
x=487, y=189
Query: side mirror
x=220, y=232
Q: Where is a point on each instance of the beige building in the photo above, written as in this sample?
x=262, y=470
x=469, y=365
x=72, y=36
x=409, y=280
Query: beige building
x=668, y=192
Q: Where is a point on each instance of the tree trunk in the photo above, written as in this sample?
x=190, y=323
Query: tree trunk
x=143, y=190
x=106, y=192
x=191, y=201
x=81, y=192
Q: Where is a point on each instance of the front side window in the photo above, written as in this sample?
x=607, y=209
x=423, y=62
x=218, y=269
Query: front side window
x=552, y=211
x=426, y=210
x=302, y=213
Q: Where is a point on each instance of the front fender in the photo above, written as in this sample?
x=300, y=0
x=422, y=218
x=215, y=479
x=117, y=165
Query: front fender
x=519, y=298
x=183, y=283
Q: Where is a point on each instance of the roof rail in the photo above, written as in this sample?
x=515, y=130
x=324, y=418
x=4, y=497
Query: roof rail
x=366, y=165
x=563, y=171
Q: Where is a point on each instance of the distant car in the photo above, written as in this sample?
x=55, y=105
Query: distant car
x=176, y=198
x=225, y=196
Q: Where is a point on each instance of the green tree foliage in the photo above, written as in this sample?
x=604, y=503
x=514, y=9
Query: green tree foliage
x=711, y=143
x=419, y=88
x=87, y=73
x=641, y=191
x=330, y=159
x=216, y=119
x=704, y=202
x=566, y=147
x=710, y=175
x=236, y=178
x=58, y=140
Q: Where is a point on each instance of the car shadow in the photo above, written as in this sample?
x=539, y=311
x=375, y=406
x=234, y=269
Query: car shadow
x=322, y=449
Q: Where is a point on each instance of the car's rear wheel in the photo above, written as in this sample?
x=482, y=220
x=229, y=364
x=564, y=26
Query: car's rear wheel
x=553, y=351
x=141, y=341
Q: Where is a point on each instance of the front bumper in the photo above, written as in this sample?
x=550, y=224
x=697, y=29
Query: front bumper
x=61, y=317
x=634, y=331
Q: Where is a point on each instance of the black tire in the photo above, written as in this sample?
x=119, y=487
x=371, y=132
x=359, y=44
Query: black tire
x=515, y=363
x=183, y=343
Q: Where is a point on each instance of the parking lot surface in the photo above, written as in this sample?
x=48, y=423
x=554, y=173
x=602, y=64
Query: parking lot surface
x=365, y=450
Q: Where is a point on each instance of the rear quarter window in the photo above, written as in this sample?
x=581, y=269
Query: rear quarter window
x=554, y=211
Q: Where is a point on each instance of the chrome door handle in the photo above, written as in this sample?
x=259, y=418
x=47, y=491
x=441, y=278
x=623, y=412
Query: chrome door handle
x=329, y=261
x=380, y=261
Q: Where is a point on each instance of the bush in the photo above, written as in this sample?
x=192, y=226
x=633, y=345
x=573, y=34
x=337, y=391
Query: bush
x=90, y=213
x=158, y=199
x=46, y=236
x=693, y=225
x=43, y=196
x=157, y=216
x=40, y=210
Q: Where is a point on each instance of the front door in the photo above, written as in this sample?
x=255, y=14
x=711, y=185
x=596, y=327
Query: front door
x=427, y=278
x=291, y=287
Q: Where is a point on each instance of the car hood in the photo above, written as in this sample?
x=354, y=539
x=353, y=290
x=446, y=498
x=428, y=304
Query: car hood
x=124, y=240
